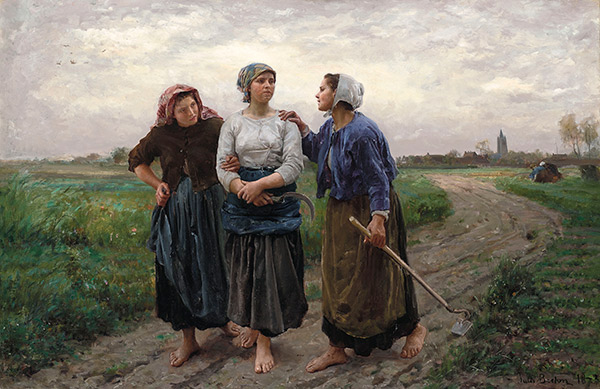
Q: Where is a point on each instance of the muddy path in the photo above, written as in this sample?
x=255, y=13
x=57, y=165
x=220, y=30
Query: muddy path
x=455, y=257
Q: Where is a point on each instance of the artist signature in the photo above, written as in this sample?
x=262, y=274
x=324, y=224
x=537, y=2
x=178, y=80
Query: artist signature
x=543, y=379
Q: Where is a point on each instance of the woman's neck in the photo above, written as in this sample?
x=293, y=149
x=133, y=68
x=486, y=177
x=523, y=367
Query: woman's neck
x=341, y=117
x=259, y=110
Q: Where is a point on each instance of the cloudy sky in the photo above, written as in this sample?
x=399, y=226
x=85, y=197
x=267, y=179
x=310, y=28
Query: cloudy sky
x=84, y=76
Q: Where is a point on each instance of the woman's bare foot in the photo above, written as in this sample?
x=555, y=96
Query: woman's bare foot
x=231, y=329
x=333, y=356
x=246, y=338
x=264, y=358
x=414, y=342
x=189, y=347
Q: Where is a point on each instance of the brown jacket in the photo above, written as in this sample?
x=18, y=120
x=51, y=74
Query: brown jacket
x=191, y=150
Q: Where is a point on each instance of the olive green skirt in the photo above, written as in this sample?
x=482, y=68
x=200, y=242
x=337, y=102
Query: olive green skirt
x=368, y=300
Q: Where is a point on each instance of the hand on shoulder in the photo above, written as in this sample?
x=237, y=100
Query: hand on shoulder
x=293, y=117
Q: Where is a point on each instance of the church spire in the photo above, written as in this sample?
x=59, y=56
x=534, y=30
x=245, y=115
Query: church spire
x=502, y=146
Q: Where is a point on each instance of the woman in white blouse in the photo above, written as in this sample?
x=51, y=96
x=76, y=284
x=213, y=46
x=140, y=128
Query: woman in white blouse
x=264, y=247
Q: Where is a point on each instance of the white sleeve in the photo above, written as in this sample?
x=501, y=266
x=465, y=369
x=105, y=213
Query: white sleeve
x=226, y=147
x=293, y=163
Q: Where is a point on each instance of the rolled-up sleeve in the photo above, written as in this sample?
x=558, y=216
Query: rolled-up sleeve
x=226, y=147
x=143, y=153
x=292, y=164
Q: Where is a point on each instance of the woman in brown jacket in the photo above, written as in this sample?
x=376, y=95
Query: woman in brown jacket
x=187, y=235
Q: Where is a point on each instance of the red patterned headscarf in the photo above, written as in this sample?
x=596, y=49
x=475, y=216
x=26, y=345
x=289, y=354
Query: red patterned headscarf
x=166, y=105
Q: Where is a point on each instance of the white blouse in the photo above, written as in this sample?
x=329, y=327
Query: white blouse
x=262, y=143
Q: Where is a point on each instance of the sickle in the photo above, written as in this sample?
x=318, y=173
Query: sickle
x=298, y=196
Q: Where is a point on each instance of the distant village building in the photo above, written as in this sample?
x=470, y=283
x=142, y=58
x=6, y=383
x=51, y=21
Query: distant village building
x=472, y=158
x=502, y=146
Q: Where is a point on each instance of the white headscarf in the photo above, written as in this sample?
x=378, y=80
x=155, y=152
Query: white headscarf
x=348, y=90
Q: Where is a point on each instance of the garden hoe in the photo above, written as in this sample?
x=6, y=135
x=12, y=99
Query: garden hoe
x=462, y=325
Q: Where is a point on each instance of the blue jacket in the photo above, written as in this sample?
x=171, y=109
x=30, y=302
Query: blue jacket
x=361, y=162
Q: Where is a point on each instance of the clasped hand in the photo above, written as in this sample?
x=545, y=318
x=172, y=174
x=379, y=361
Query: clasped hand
x=252, y=192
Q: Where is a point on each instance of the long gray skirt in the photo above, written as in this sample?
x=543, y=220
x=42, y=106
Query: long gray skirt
x=268, y=291
x=191, y=272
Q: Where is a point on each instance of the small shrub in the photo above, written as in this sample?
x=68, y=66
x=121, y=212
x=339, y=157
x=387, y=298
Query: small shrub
x=589, y=172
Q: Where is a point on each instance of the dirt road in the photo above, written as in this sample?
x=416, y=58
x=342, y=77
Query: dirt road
x=455, y=257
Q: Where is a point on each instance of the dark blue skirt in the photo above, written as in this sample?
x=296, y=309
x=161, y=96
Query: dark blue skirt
x=264, y=250
x=191, y=273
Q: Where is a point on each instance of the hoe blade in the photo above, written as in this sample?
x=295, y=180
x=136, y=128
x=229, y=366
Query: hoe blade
x=461, y=327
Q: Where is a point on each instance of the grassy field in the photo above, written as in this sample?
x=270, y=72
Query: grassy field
x=73, y=261
x=539, y=323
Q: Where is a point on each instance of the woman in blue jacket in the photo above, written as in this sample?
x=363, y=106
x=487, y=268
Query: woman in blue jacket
x=368, y=301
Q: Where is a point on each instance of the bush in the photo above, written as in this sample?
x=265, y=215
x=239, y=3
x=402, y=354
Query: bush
x=422, y=202
x=120, y=155
x=589, y=172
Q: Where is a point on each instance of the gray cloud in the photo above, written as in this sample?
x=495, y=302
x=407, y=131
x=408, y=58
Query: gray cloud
x=84, y=77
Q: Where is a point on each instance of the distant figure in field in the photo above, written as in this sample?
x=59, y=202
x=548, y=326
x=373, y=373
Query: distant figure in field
x=187, y=235
x=545, y=172
x=536, y=169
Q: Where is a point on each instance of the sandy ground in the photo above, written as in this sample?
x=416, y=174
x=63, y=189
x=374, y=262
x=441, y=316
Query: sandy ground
x=455, y=257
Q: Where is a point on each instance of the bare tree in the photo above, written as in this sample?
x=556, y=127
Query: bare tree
x=589, y=127
x=570, y=132
x=483, y=147
x=453, y=153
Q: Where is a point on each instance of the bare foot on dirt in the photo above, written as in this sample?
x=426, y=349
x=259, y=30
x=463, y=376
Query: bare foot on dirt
x=231, y=329
x=414, y=342
x=183, y=353
x=264, y=358
x=189, y=347
x=333, y=356
x=246, y=338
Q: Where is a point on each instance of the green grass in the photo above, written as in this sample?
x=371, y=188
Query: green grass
x=73, y=261
x=422, y=202
x=541, y=319
x=313, y=291
x=73, y=264
x=578, y=199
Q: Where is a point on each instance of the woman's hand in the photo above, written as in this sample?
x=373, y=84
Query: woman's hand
x=231, y=164
x=263, y=199
x=250, y=191
x=377, y=229
x=146, y=174
x=293, y=117
x=236, y=185
x=162, y=194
